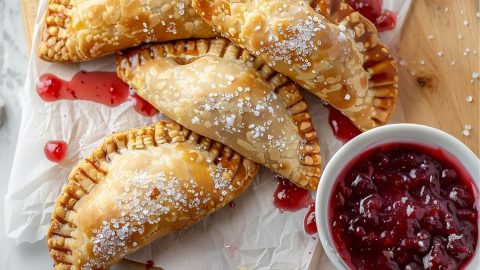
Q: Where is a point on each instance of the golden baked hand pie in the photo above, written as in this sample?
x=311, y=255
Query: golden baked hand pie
x=377, y=60
x=140, y=185
x=220, y=91
x=78, y=30
x=292, y=38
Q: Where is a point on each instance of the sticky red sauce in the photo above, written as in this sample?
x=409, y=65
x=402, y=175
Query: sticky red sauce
x=231, y=205
x=97, y=86
x=309, y=222
x=404, y=206
x=384, y=20
x=342, y=127
x=55, y=151
x=289, y=197
x=142, y=106
x=149, y=264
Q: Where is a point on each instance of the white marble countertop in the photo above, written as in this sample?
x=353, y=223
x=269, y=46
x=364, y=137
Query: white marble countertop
x=13, y=68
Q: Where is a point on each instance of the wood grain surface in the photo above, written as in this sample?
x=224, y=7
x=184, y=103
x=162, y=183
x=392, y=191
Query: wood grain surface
x=439, y=50
x=439, y=55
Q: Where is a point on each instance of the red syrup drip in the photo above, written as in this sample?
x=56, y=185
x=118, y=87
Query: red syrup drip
x=309, y=222
x=97, y=86
x=289, y=197
x=55, y=151
x=231, y=205
x=342, y=127
x=149, y=264
x=384, y=20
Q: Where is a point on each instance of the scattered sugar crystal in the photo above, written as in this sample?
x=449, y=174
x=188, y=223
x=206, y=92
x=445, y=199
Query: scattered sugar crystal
x=195, y=120
x=475, y=75
x=422, y=62
x=469, y=99
x=410, y=210
x=466, y=23
x=466, y=132
x=446, y=9
x=403, y=62
x=440, y=53
x=181, y=8
x=459, y=36
x=347, y=97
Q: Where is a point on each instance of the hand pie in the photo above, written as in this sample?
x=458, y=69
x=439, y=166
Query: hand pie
x=222, y=92
x=377, y=61
x=140, y=185
x=78, y=30
x=300, y=43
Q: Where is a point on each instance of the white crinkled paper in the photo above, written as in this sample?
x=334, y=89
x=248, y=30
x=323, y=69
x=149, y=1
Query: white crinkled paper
x=254, y=234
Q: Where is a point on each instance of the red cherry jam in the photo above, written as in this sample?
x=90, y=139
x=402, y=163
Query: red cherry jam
x=343, y=129
x=55, y=151
x=384, y=20
x=309, y=222
x=97, y=86
x=289, y=197
x=404, y=206
x=149, y=264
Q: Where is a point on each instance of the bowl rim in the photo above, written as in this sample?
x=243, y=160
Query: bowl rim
x=414, y=133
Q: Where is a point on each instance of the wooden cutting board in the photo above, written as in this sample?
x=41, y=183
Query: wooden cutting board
x=439, y=52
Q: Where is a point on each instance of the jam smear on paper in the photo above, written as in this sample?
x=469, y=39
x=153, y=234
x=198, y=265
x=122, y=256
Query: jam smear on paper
x=343, y=129
x=309, y=222
x=97, y=86
x=289, y=197
x=55, y=151
x=383, y=19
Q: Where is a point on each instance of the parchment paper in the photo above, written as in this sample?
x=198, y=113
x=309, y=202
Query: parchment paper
x=254, y=234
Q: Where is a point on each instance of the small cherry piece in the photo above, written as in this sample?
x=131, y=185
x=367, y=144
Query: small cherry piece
x=310, y=223
x=386, y=21
x=55, y=151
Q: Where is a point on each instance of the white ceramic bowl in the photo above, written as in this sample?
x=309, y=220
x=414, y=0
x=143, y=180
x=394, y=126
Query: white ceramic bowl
x=391, y=133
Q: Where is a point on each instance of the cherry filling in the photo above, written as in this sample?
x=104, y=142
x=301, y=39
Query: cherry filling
x=149, y=264
x=383, y=19
x=289, y=197
x=55, y=151
x=404, y=206
x=343, y=129
x=97, y=86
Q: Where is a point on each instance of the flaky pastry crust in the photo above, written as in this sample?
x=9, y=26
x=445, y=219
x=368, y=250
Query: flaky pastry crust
x=294, y=39
x=140, y=185
x=378, y=61
x=222, y=92
x=79, y=30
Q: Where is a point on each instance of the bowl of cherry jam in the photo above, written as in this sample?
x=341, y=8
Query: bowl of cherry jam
x=401, y=196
